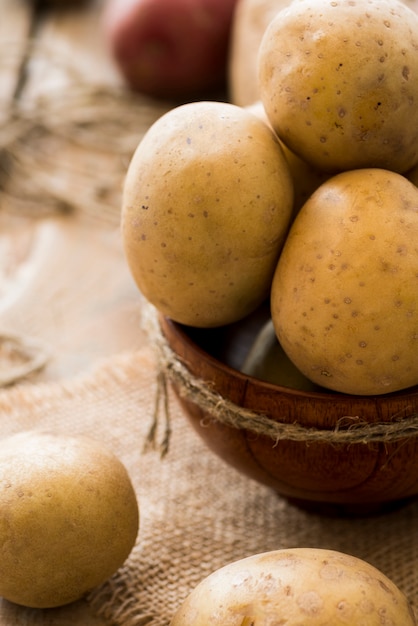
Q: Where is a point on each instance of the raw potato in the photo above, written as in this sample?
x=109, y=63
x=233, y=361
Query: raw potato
x=69, y=517
x=339, y=82
x=170, y=48
x=206, y=207
x=344, y=296
x=296, y=587
x=305, y=178
x=250, y=20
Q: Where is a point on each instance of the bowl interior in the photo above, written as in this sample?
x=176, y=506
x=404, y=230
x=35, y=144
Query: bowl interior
x=221, y=352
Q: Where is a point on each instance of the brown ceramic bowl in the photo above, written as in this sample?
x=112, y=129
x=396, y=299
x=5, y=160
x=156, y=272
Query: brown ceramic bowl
x=352, y=476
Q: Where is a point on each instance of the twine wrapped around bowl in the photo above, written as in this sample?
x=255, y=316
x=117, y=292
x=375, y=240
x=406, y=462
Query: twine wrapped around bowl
x=308, y=446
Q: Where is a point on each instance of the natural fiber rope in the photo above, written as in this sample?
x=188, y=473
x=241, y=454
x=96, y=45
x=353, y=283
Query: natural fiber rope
x=20, y=356
x=348, y=429
x=103, y=120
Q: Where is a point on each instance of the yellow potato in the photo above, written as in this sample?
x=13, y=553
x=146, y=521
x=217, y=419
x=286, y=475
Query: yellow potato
x=206, y=206
x=69, y=517
x=339, y=82
x=305, y=177
x=296, y=587
x=344, y=299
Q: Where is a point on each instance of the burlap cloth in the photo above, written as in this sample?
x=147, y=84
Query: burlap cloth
x=197, y=513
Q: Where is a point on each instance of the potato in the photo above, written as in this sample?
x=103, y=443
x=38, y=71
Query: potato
x=296, y=587
x=250, y=20
x=344, y=299
x=305, y=178
x=339, y=82
x=206, y=205
x=170, y=48
x=69, y=517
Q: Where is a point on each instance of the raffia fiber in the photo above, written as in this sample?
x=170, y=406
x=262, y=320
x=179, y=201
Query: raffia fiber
x=20, y=357
x=68, y=152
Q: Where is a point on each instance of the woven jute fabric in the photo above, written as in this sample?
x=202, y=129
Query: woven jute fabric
x=197, y=513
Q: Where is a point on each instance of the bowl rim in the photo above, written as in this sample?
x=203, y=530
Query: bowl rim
x=180, y=330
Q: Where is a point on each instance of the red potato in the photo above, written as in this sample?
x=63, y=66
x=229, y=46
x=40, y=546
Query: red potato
x=170, y=48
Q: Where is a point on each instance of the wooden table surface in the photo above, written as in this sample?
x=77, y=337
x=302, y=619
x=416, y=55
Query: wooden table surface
x=41, y=253
x=60, y=197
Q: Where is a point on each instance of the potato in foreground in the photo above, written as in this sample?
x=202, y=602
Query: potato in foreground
x=339, y=82
x=296, y=587
x=69, y=517
x=207, y=203
x=344, y=298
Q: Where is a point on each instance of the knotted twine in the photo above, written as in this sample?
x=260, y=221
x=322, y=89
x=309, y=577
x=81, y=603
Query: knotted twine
x=347, y=430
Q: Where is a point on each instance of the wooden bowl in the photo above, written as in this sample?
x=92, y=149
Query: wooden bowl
x=371, y=471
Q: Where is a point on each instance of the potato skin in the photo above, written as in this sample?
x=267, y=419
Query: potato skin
x=69, y=517
x=206, y=206
x=305, y=178
x=296, y=587
x=344, y=296
x=339, y=82
x=174, y=49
